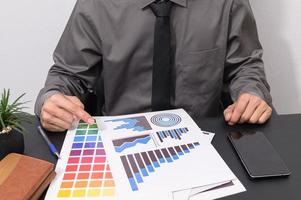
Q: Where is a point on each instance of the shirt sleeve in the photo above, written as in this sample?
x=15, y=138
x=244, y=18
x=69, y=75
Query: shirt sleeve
x=77, y=58
x=244, y=68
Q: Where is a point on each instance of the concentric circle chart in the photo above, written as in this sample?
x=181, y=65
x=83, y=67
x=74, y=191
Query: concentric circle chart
x=166, y=119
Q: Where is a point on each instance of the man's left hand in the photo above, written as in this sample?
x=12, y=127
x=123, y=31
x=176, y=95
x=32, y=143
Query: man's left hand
x=248, y=109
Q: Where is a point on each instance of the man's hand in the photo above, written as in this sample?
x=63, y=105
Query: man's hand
x=60, y=111
x=248, y=109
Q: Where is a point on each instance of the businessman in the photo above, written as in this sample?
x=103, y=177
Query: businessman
x=144, y=55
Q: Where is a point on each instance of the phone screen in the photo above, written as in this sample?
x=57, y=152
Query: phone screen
x=258, y=155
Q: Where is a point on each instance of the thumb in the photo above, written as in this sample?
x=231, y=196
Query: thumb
x=228, y=112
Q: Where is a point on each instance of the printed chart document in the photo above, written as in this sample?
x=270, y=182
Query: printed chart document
x=156, y=155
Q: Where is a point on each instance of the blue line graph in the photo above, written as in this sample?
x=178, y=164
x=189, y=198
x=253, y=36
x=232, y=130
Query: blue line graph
x=125, y=143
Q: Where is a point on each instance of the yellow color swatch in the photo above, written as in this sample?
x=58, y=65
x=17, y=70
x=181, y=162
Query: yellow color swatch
x=108, y=192
x=79, y=193
x=64, y=193
x=93, y=192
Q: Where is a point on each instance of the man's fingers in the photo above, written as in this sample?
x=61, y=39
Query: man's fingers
x=252, y=106
x=58, y=112
x=240, y=107
x=71, y=107
x=48, y=118
x=265, y=116
x=258, y=113
x=228, y=112
x=75, y=100
x=248, y=108
x=86, y=117
x=51, y=127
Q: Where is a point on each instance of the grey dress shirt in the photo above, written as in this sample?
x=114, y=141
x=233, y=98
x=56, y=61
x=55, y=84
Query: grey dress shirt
x=108, y=46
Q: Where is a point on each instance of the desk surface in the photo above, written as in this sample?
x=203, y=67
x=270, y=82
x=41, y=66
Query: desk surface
x=283, y=131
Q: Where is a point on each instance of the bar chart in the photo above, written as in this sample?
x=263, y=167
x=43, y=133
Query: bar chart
x=172, y=134
x=141, y=165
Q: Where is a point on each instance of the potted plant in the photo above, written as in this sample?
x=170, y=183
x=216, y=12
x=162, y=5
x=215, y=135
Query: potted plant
x=11, y=129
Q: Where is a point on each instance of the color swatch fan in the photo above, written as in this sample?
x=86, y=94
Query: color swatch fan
x=83, y=170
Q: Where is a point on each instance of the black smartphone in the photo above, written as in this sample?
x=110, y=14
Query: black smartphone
x=257, y=154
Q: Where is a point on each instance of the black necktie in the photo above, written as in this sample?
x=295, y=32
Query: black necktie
x=162, y=58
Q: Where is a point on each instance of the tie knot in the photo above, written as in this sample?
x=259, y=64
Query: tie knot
x=161, y=8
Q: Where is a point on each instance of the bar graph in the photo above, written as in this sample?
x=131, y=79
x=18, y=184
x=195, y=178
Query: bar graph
x=175, y=134
x=141, y=165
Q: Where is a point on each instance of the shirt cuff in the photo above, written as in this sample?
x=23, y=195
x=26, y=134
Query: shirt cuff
x=257, y=90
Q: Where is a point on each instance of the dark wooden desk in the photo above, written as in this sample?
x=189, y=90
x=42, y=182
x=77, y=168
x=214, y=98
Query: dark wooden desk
x=283, y=131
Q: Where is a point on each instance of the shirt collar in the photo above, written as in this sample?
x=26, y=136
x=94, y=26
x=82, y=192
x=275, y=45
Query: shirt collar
x=144, y=3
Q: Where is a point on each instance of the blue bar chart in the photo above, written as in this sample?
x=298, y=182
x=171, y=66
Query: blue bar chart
x=141, y=165
x=176, y=134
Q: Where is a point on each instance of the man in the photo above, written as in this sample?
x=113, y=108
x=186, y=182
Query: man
x=145, y=55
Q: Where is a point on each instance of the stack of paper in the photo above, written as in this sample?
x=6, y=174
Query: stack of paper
x=210, y=191
x=158, y=155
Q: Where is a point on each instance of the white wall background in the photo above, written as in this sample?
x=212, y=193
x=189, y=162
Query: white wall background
x=29, y=33
x=279, y=24
x=30, y=30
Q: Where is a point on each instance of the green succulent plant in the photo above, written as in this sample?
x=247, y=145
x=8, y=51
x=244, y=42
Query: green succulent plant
x=11, y=115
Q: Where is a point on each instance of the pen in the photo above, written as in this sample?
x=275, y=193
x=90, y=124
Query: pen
x=51, y=146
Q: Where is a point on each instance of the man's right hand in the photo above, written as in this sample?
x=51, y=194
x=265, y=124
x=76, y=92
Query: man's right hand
x=60, y=111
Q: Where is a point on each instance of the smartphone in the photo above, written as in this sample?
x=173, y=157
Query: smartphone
x=257, y=154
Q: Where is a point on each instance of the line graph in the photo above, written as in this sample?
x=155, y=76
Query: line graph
x=125, y=143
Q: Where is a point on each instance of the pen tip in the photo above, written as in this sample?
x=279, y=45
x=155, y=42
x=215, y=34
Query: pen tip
x=58, y=155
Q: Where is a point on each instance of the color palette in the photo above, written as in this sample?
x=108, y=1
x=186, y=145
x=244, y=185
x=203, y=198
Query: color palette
x=173, y=134
x=87, y=174
x=133, y=123
x=142, y=164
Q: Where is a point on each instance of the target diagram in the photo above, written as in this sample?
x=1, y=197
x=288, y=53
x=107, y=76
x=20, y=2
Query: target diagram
x=166, y=119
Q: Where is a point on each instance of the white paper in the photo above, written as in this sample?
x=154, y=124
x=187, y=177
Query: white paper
x=209, y=135
x=186, y=194
x=209, y=192
x=201, y=189
x=201, y=167
x=113, y=151
x=237, y=187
